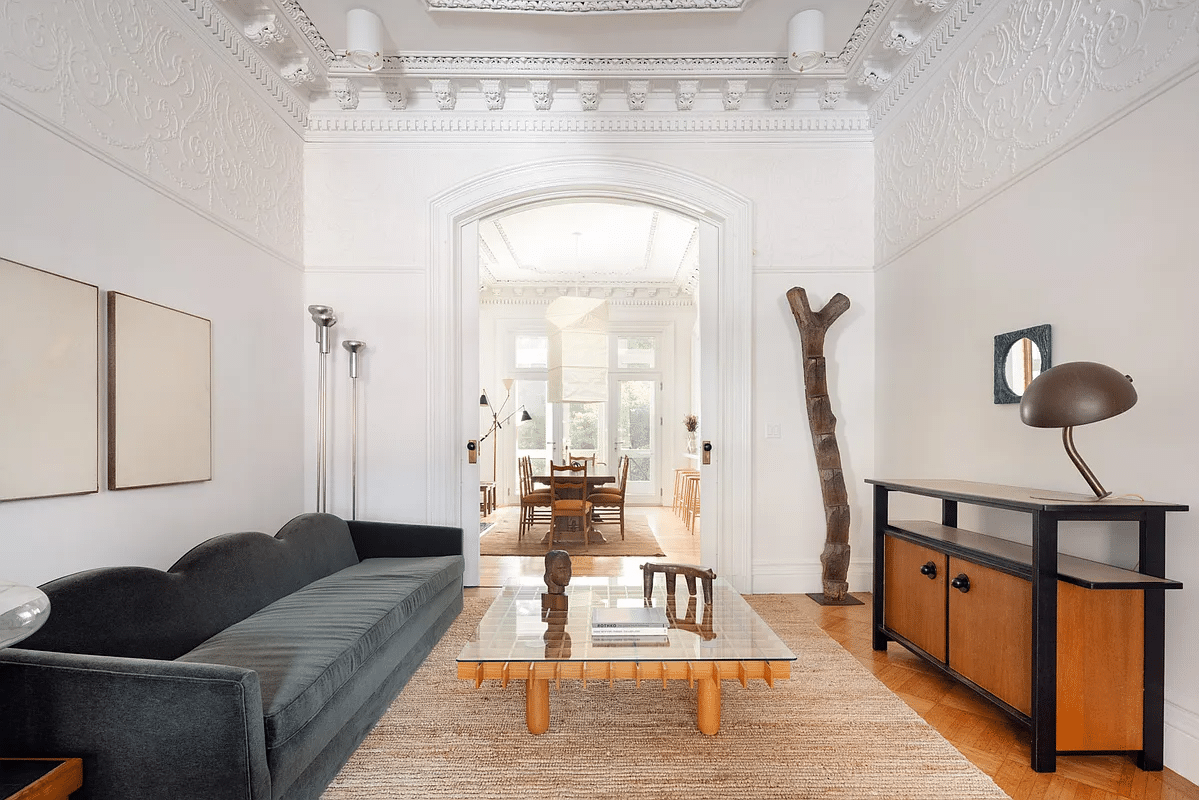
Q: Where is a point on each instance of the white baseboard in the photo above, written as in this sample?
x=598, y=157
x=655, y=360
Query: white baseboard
x=801, y=577
x=1182, y=741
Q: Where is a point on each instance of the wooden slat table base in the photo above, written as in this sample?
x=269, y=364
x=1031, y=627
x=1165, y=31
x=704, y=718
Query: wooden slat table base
x=705, y=676
x=57, y=784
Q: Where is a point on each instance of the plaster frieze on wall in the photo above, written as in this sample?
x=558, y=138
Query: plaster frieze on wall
x=123, y=80
x=1040, y=76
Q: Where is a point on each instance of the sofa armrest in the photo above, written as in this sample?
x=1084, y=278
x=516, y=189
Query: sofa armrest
x=404, y=540
x=146, y=729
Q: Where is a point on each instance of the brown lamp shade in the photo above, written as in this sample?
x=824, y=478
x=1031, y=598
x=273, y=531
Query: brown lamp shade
x=1076, y=393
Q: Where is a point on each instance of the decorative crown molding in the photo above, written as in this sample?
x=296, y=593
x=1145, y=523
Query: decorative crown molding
x=332, y=126
x=577, y=7
x=945, y=31
x=578, y=65
x=242, y=50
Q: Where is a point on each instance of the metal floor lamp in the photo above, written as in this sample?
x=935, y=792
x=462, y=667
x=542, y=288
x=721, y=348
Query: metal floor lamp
x=354, y=347
x=325, y=319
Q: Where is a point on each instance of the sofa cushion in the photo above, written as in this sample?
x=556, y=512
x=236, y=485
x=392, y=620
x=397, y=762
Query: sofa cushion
x=307, y=645
x=139, y=612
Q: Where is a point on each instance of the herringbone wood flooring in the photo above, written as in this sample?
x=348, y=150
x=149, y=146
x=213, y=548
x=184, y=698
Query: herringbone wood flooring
x=984, y=734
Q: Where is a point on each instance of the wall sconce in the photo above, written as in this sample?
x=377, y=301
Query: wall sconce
x=364, y=39
x=805, y=39
x=1077, y=393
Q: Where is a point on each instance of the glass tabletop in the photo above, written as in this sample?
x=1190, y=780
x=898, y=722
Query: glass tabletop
x=522, y=627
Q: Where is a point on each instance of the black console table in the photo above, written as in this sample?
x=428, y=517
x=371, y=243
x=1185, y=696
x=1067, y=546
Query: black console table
x=1071, y=647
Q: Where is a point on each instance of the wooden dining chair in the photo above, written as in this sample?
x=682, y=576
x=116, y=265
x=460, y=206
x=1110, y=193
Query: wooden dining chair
x=533, y=501
x=580, y=458
x=568, y=499
x=604, y=497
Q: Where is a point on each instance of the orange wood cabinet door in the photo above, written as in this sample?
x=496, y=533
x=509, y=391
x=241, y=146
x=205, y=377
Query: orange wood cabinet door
x=990, y=632
x=914, y=601
x=1100, y=668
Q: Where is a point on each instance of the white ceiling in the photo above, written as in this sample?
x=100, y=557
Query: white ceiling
x=589, y=243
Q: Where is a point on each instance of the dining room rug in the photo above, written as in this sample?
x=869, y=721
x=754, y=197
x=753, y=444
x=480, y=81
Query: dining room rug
x=503, y=540
x=832, y=730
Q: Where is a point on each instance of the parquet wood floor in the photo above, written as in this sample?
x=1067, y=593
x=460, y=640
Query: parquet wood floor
x=983, y=733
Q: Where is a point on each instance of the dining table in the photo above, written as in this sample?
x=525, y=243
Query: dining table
x=573, y=534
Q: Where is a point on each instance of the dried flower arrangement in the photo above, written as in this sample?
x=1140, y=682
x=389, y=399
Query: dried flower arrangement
x=691, y=422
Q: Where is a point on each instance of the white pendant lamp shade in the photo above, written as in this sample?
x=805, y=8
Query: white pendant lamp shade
x=364, y=39
x=577, y=328
x=805, y=38
x=23, y=609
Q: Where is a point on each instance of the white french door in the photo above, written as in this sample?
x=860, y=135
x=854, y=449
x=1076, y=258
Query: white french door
x=635, y=423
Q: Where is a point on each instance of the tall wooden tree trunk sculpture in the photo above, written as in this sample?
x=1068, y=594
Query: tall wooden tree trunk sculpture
x=812, y=328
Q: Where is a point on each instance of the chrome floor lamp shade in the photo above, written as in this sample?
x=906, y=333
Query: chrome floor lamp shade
x=325, y=319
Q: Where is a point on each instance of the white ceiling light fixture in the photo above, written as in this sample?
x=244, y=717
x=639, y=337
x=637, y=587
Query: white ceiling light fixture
x=577, y=328
x=364, y=39
x=805, y=37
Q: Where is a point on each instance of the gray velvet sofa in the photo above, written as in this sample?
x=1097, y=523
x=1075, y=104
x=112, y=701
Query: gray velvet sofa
x=251, y=669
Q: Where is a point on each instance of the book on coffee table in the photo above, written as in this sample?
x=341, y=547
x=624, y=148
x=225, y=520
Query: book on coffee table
x=628, y=622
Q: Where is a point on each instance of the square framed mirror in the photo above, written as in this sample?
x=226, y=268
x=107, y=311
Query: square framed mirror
x=1020, y=356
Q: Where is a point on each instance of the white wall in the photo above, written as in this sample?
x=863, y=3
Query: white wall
x=367, y=220
x=67, y=212
x=1099, y=243
x=162, y=173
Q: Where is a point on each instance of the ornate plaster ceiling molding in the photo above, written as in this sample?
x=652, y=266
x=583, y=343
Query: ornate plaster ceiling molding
x=308, y=30
x=567, y=66
x=947, y=28
x=892, y=46
x=576, y=7
x=864, y=31
x=764, y=126
x=1042, y=76
x=246, y=52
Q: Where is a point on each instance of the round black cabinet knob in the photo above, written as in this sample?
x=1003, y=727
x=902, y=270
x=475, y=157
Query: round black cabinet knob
x=929, y=569
x=961, y=583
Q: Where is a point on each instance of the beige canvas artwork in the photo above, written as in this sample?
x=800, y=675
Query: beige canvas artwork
x=160, y=395
x=49, y=384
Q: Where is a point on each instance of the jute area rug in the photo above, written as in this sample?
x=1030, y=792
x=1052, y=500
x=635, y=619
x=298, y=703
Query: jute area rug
x=502, y=539
x=831, y=731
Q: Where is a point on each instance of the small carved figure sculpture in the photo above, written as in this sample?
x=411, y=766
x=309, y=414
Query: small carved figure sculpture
x=557, y=571
x=557, y=639
x=688, y=571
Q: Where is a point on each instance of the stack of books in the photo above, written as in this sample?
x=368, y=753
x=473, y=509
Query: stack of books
x=625, y=626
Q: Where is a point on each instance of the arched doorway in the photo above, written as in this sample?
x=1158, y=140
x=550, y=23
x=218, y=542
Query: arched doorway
x=725, y=308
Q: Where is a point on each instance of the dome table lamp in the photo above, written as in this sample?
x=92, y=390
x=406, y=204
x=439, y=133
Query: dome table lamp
x=23, y=609
x=1077, y=393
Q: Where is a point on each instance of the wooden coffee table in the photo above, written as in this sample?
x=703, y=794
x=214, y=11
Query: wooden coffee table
x=517, y=642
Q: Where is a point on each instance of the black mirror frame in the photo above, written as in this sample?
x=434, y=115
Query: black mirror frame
x=1040, y=336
